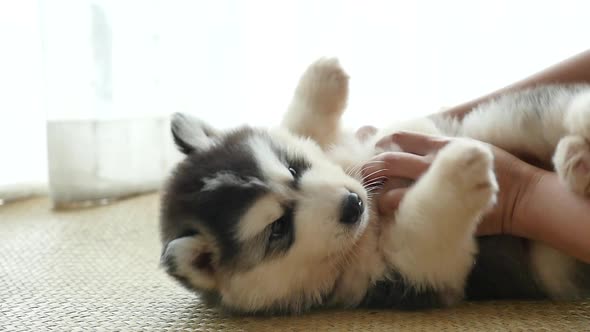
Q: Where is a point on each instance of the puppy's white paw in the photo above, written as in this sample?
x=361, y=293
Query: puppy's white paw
x=468, y=169
x=324, y=85
x=572, y=164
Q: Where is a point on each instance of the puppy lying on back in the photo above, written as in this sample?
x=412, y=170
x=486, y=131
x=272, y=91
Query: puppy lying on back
x=279, y=220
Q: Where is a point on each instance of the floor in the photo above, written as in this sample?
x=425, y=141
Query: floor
x=96, y=269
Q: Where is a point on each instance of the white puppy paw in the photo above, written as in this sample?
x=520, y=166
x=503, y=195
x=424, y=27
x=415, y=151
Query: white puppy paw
x=324, y=85
x=467, y=167
x=572, y=164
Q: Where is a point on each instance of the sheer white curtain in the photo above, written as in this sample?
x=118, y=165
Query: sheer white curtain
x=88, y=84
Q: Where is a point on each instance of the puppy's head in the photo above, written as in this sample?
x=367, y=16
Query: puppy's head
x=258, y=220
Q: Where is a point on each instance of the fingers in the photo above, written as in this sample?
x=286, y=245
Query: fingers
x=395, y=164
x=365, y=132
x=389, y=200
x=414, y=143
x=410, y=164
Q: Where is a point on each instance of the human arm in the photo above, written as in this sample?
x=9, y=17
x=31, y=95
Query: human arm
x=572, y=70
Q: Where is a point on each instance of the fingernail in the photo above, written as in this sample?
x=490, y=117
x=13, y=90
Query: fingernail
x=387, y=143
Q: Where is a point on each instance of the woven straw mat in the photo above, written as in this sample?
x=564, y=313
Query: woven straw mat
x=96, y=269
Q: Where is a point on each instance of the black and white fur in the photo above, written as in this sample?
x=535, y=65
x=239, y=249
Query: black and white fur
x=260, y=220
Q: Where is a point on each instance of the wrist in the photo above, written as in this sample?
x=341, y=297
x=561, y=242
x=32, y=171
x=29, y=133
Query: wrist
x=523, y=218
x=551, y=213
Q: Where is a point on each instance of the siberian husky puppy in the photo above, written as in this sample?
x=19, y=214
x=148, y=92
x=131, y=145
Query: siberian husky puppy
x=279, y=220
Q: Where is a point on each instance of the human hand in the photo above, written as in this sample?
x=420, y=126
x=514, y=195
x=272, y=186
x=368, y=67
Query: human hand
x=514, y=177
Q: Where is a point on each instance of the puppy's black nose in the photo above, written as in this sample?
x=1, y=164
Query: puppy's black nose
x=352, y=209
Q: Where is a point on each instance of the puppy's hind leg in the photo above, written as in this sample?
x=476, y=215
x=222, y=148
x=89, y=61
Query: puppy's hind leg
x=319, y=101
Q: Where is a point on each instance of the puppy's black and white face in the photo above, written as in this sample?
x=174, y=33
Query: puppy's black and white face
x=261, y=220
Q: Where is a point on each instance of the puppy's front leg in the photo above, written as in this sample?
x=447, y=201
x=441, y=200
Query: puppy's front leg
x=431, y=242
x=318, y=102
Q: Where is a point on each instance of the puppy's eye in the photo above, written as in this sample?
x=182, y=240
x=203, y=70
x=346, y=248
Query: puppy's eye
x=281, y=233
x=282, y=226
x=279, y=228
x=293, y=171
x=188, y=233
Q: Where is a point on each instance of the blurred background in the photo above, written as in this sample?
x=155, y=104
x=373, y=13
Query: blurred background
x=86, y=86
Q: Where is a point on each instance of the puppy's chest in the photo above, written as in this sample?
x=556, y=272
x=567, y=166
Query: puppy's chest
x=367, y=267
x=373, y=282
x=369, y=275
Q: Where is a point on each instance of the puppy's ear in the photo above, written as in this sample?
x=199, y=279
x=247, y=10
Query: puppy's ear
x=191, y=134
x=193, y=260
